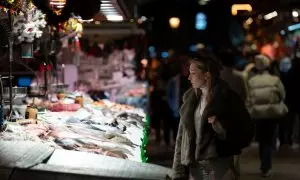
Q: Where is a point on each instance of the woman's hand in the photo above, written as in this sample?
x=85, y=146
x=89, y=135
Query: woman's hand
x=221, y=132
x=212, y=120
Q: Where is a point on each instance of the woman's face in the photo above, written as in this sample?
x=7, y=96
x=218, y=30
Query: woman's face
x=198, y=78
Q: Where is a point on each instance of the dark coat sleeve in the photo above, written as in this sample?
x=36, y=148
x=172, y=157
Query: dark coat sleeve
x=233, y=120
x=231, y=112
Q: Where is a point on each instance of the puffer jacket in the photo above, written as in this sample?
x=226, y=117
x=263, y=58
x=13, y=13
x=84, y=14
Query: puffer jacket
x=267, y=96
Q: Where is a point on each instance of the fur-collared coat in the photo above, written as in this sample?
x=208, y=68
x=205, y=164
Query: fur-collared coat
x=229, y=109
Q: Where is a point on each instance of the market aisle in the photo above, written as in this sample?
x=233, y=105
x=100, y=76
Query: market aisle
x=286, y=164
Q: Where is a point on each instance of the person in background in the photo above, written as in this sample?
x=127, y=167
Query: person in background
x=286, y=127
x=236, y=83
x=248, y=72
x=292, y=85
x=214, y=125
x=158, y=105
x=268, y=48
x=232, y=76
x=267, y=108
x=177, y=85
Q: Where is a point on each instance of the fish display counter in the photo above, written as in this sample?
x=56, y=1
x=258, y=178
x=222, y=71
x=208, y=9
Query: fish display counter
x=21, y=160
x=77, y=139
x=101, y=127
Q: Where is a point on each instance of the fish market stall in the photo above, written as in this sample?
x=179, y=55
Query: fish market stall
x=101, y=139
x=135, y=94
x=100, y=127
x=52, y=134
x=37, y=161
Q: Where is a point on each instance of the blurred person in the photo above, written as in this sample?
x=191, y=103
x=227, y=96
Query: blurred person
x=236, y=83
x=267, y=108
x=158, y=104
x=248, y=72
x=231, y=75
x=268, y=48
x=286, y=127
x=214, y=125
x=177, y=85
x=292, y=85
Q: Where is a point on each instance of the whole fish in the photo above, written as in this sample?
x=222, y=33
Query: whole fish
x=107, y=128
x=132, y=118
x=117, y=154
x=69, y=144
x=113, y=137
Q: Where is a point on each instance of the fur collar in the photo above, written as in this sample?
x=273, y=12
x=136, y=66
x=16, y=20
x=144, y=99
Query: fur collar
x=214, y=107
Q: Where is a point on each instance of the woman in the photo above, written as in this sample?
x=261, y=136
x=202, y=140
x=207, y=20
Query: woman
x=214, y=125
x=267, y=107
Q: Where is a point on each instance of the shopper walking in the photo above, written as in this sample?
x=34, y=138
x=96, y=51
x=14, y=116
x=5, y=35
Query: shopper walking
x=214, y=125
x=267, y=108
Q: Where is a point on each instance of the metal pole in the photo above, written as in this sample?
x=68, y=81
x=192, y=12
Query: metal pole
x=63, y=73
x=1, y=104
x=45, y=51
x=46, y=79
x=10, y=46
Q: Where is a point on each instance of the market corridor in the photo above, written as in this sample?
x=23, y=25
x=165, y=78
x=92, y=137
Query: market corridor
x=286, y=163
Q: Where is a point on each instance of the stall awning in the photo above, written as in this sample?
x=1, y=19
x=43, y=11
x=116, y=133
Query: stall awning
x=109, y=31
x=114, y=10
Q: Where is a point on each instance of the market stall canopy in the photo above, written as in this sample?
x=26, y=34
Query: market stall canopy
x=120, y=10
x=113, y=10
x=110, y=31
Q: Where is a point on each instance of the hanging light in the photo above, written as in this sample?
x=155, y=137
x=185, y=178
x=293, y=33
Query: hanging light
x=57, y=5
x=174, y=22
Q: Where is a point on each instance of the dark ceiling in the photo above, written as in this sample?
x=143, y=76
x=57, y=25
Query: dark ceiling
x=219, y=18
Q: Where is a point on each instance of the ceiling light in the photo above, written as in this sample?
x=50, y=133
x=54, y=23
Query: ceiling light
x=106, y=5
x=115, y=12
x=112, y=9
x=294, y=27
x=111, y=13
x=203, y=2
x=270, y=15
x=249, y=21
x=107, y=8
x=174, y=22
x=240, y=7
x=115, y=18
x=85, y=20
x=295, y=14
x=143, y=18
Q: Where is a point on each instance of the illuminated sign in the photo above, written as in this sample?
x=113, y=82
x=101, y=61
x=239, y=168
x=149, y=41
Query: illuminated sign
x=240, y=7
x=201, y=21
